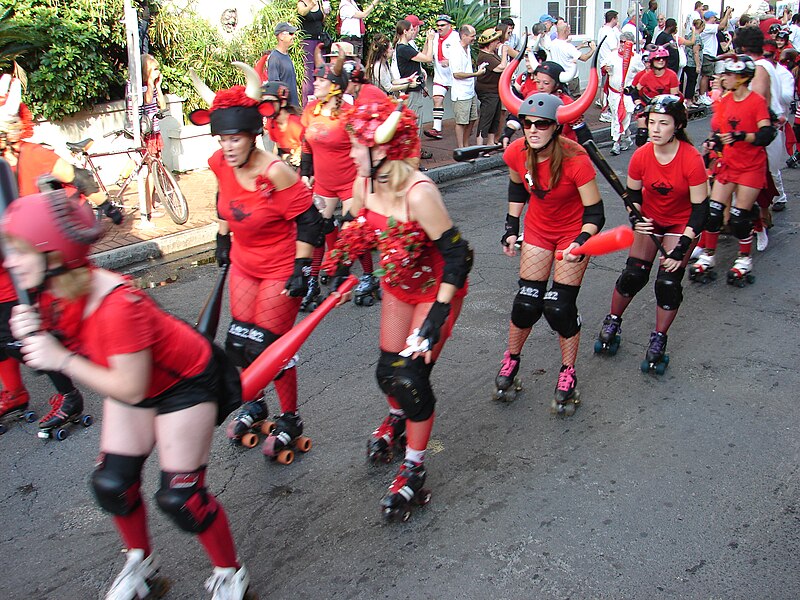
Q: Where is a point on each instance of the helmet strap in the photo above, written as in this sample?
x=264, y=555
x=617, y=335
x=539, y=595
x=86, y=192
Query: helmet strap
x=249, y=154
x=374, y=168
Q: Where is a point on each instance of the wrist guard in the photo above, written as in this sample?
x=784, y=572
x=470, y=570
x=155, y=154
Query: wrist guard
x=111, y=211
x=679, y=251
x=582, y=238
x=512, y=229
x=432, y=325
x=297, y=285
x=223, y=251
x=306, y=165
x=738, y=136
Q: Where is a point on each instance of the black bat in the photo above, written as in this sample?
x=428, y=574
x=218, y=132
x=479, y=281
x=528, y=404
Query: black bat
x=470, y=152
x=208, y=321
x=8, y=193
x=607, y=171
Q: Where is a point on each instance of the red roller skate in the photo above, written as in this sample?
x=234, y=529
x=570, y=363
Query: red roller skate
x=406, y=491
x=389, y=438
x=14, y=407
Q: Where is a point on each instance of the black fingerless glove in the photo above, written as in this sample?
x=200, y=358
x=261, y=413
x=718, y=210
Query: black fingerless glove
x=679, y=251
x=738, y=136
x=223, y=251
x=633, y=219
x=512, y=229
x=432, y=325
x=297, y=285
x=112, y=212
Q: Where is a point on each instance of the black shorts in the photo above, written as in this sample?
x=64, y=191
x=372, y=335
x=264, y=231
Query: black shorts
x=5, y=316
x=189, y=392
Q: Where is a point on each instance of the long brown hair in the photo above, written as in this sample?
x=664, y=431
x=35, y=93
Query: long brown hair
x=563, y=149
x=377, y=54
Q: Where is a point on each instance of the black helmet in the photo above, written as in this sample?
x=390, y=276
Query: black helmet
x=669, y=104
x=740, y=64
x=326, y=72
x=783, y=35
x=551, y=69
x=774, y=28
x=278, y=89
x=355, y=71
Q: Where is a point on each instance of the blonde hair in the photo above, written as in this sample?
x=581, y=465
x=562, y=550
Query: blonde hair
x=399, y=171
x=73, y=283
x=149, y=63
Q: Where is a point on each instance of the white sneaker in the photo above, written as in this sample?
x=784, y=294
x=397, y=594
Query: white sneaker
x=698, y=250
x=228, y=583
x=605, y=117
x=133, y=583
x=706, y=99
x=762, y=240
x=625, y=143
x=615, y=149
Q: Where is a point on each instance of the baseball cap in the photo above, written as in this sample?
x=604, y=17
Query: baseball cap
x=284, y=27
x=414, y=20
x=346, y=46
x=546, y=18
x=446, y=18
x=709, y=13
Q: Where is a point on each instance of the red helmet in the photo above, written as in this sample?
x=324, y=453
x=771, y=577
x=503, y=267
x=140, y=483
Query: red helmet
x=51, y=222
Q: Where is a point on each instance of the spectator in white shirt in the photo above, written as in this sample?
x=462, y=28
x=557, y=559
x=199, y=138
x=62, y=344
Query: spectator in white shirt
x=561, y=51
x=353, y=28
x=465, y=101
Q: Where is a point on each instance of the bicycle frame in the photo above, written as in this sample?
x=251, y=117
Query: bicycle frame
x=140, y=156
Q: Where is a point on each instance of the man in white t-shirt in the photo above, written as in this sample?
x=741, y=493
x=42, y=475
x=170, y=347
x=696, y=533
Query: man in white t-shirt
x=352, y=20
x=462, y=92
x=610, y=33
x=794, y=30
x=710, y=47
x=565, y=54
x=444, y=41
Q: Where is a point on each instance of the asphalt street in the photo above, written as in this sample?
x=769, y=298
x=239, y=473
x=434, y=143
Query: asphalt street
x=680, y=486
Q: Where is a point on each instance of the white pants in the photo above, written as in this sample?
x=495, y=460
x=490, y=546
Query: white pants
x=619, y=130
x=776, y=157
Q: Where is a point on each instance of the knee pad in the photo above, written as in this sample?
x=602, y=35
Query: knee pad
x=258, y=341
x=116, y=481
x=85, y=182
x=408, y=382
x=184, y=498
x=245, y=341
x=641, y=136
x=716, y=213
x=741, y=223
x=561, y=309
x=328, y=225
x=633, y=277
x=669, y=290
x=528, y=303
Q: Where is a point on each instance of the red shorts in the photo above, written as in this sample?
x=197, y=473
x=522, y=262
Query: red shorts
x=549, y=241
x=343, y=191
x=154, y=143
x=753, y=179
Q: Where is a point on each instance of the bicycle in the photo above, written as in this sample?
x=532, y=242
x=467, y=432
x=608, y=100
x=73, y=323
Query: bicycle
x=166, y=188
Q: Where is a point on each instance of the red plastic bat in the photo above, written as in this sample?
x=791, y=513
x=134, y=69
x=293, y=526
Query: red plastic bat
x=270, y=362
x=605, y=242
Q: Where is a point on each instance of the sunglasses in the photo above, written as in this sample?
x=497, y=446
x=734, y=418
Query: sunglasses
x=541, y=125
x=442, y=24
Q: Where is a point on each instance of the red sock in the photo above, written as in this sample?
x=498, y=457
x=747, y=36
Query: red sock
x=746, y=246
x=393, y=403
x=10, y=375
x=316, y=260
x=286, y=386
x=709, y=240
x=218, y=541
x=418, y=433
x=366, y=263
x=330, y=238
x=132, y=529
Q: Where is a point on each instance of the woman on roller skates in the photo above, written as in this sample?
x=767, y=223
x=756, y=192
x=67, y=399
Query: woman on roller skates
x=268, y=227
x=425, y=262
x=29, y=162
x=327, y=168
x=668, y=187
x=95, y=326
x=565, y=210
x=654, y=81
x=283, y=125
x=742, y=128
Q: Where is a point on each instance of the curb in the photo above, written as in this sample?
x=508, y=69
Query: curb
x=161, y=247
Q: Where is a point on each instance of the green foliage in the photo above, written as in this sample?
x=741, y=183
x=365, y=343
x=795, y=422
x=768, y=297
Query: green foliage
x=15, y=40
x=386, y=15
x=472, y=12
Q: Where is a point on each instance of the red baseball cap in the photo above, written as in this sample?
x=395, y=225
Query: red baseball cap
x=414, y=20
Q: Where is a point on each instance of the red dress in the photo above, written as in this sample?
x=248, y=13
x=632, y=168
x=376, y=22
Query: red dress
x=328, y=142
x=741, y=163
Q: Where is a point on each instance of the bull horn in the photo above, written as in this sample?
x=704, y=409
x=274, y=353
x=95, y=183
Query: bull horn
x=253, y=88
x=386, y=130
x=202, y=89
x=570, y=113
x=13, y=98
x=507, y=95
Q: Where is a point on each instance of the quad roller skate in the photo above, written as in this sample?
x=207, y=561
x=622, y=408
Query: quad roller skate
x=703, y=271
x=507, y=384
x=656, y=358
x=741, y=272
x=567, y=398
x=367, y=291
x=65, y=409
x=139, y=579
x=312, y=299
x=285, y=435
x=406, y=491
x=609, y=338
x=248, y=422
x=228, y=583
x=389, y=438
x=14, y=407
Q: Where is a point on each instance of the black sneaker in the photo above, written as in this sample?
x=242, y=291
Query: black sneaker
x=425, y=154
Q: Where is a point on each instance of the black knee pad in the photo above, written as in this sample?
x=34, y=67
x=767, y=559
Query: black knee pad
x=716, y=213
x=633, y=277
x=245, y=341
x=185, y=499
x=669, y=290
x=85, y=182
x=561, y=309
x=741, y=223
x=408, y=382
x=528, y=303
x=641, y=136
x=258, y=341
x=328, y=225
x=116, y=481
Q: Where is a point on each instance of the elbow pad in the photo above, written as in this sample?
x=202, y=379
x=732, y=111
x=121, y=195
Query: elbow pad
x=457, y=257
x=594, y=215
x=698, y=217
x=306, y=165
x=309, y=226
x=765, y=135
x=634, y=196
x=517, y=192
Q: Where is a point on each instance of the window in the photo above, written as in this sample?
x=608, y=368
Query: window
x=553, y=9
x=501, y=8
x=575, y=15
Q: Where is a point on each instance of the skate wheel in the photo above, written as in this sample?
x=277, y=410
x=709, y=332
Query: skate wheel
x=598, y=347
x=645, y=366
x=569, y=409
x=249, y=440
x=285, y=457
x=29, y=416
x=61, y=434
x=660, y=368
x=380, y=294
x=666, y=359
x=368, y=301
x=312, y=307
x=612, y=349
x=159, y=586
x=87, y=420
x=751, y=278
x=3, y=429
x=267, y=427
x=303, y=443
x=423, y=497
x=357, y=300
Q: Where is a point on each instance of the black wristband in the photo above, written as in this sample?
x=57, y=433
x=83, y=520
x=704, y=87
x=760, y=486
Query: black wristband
x=582, y=238
x=512, y=229
x=680, y=250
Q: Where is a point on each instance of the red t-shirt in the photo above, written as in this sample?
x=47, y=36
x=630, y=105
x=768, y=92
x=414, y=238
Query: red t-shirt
x=262, y=221
x=329, y=143
x=527, y=85
x=560, y=210
x=652, y=86
x=729, y=116
x=287, y=139
x=665, y=188
x=129, y=321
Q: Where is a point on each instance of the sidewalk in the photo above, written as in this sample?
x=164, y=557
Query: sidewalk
x=128, y=243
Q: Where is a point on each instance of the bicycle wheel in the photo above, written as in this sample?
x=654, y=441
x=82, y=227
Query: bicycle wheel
x=170, y=194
